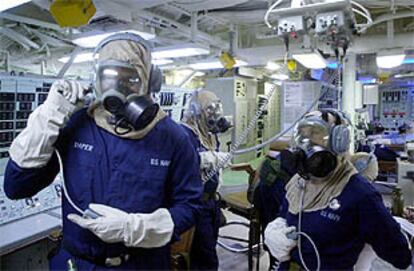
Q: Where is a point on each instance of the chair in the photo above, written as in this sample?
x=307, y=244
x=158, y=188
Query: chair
x=240, y=203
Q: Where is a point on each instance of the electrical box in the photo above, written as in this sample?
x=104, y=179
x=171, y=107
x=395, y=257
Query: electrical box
x=174, y=101
x=239, y=98
x=327, y=20
x=396, y=106
x=294, y=24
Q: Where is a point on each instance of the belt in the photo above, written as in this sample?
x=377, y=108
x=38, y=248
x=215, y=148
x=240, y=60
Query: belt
x=116, y=261
x=108, y=262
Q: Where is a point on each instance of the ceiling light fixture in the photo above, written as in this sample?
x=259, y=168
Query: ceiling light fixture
x=272, y=66
x=215, y=64
x=390, y=61
x=279, y=76
x=160, y=62
x=311, y=60
x=8, y=4
x=92, y=39
x=183, y=50
x=82, y=57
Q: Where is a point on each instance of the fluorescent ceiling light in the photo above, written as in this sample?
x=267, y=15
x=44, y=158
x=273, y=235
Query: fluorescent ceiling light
x=390, y=61
x=215, y=64
x=160, y=62
x=272, y=66
x=7, y=4
x=279, y=76
x=311, y=60
x=182, y=51
x=197, y=74
x=82, y=57
x=89, y=40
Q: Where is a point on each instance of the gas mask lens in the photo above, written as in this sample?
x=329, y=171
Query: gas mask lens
x=118, y=76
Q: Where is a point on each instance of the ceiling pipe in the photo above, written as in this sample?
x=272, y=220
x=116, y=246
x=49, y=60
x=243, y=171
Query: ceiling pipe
x=182, y=29
x=388, y=17
x=30, y=21
x=19, y=38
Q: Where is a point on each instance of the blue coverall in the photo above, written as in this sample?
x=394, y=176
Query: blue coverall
x=340, y=234
x=136, y=176
x=203, y=251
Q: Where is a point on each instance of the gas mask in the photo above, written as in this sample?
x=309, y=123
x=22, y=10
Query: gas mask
x=119, y=84
x=124, y=81
x=216, y=122
x=315, y=147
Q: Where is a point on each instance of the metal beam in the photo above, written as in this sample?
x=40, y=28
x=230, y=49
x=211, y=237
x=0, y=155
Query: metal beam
x=183, y=29
x=21, y=39
x=31, y=21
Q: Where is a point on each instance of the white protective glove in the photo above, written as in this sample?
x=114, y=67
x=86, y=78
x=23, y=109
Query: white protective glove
x=134, y=230
x=211, y=159
x=33, y=147
x=277, y=241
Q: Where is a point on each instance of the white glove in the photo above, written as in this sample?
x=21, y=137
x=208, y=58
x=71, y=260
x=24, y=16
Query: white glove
x=210, y=159
x=277, y=241
x=134, y=230
x=33, y=147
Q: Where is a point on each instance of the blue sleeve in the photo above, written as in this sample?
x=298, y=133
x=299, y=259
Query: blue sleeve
x=26, y=182
x=382, y=232
x=185, y=187
x=284, y=208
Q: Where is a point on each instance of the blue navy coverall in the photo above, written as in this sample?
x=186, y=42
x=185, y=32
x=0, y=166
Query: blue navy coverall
x=203, y=251
x=136, y=176
x=341, y=234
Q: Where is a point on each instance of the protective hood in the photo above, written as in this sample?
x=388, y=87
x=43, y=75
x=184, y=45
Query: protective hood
x=135, y=55
x=195, y=118
x=366, y=164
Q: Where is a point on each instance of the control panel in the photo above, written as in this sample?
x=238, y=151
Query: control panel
x=396, y=107
x=47, y=199
x=174, y=101
x=19, y=96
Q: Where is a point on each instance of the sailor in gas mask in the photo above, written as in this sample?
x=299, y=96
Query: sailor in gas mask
x=126, y=162
x=330, y=210
x=203, y=121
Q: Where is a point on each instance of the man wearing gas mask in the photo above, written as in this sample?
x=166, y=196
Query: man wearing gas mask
x=203, y=121
x=330, y=211
x=127, y=165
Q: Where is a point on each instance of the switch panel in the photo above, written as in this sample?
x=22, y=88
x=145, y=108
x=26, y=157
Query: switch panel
x=47, y=199
x=396, y=106
x=329, y=20
x=174, y=101
x=294, y=24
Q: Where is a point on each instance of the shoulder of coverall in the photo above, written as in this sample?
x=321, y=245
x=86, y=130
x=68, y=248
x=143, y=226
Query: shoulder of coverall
x=361, y=187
